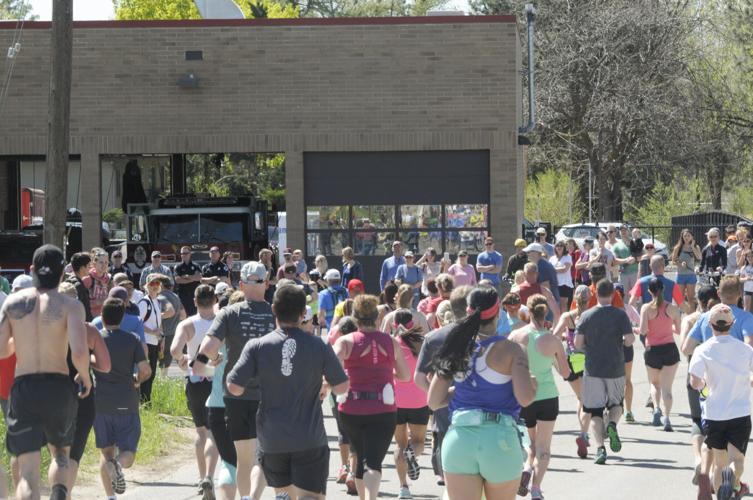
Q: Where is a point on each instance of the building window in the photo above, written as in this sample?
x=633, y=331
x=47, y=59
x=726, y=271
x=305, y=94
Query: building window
x=371, y=229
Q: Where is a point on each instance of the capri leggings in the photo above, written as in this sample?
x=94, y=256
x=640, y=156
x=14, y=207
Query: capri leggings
x=225, y=445
x=370, y=437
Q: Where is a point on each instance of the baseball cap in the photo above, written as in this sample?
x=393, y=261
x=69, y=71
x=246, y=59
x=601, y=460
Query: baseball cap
x=520, y=243
x=721, y=317
x=534, y=247
x=396, y=242
x=121, y=278
x=541, y=230
x=22, y=281
x=355, y=284
x=117, y=253
x=253, y=271
x=588, y=239
x=332, y=275
x=409, y=254
x=48, y=261
x=214, y=249
x=118, y=292
x=156, y=253
x=220, y=288
x=154, y=277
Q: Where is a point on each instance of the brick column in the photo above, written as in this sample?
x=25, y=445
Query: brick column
x=91, y=200
x=505, y=192
x=294, y=201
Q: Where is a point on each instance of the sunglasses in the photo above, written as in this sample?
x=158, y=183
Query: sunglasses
x=257, y=282
x=488, y=244
x=611, y=232
x=154, y=283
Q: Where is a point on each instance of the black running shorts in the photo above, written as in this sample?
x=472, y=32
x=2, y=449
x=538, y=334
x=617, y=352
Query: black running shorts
x=241, y=418
x=659, y=356
x=545, y=410
x=307, y=470
x=197, y=394
x=720, y=433
x=415, y=416
x=42, y=411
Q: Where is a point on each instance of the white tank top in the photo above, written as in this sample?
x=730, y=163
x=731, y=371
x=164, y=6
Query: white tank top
x=200, y=328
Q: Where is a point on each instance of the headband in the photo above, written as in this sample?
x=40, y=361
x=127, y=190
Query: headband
x=486, y=313
x=407, y=326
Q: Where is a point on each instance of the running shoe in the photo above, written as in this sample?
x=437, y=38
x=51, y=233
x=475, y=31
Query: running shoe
x=629, y=418
x=741, y=491
x=404, y=492
x=115, y=473
x=350, y=483
x=726, y=489
x=342, y=474
x=614, y=439
x=667, y=424
x=704, y=487
x=207, y=489
x=656, y=422
x=696, y=474
x=601, y=456
x=582, y=442
x=282, y=496
x=536, y=494
x=410, y=459
x=650, y=403
x=440, y=481
x=525, y=478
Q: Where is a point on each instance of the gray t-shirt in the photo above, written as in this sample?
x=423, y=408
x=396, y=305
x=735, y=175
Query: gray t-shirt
x=604, y=327
x=115, y=392
x=170, y=324
x=425, y=364
x=237, y=324
x=289, y=369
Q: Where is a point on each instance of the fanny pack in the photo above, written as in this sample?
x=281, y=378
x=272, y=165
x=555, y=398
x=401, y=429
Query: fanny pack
x=577, y=361
x=469, y=418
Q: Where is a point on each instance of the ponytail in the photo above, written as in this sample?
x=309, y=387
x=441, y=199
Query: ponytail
x=454, y=355
x=656, y=287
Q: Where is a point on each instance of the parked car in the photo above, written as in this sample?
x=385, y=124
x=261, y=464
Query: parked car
x=582, y=230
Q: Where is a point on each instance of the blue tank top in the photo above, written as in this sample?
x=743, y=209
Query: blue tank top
x=475, y=391
x=215, y=399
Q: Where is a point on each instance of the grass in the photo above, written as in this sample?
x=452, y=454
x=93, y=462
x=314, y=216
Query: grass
x=159, y=422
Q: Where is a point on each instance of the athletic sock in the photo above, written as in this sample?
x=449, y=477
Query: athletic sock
x=246, y=498
x=59, y=492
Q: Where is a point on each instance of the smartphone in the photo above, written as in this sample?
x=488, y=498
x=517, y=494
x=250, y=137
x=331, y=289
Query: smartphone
x=447, y=256
x=81, y=389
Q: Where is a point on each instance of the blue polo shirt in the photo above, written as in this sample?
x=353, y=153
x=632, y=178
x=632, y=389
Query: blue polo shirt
x=741, y=328
x=493, y=258
x=547, y=273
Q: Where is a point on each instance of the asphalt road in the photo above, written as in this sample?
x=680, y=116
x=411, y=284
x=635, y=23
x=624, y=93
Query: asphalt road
x=653, y=464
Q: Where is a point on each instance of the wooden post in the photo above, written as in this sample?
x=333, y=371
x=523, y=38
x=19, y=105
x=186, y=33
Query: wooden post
x=58, y=130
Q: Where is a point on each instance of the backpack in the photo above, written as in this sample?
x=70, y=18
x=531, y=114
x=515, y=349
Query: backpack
x=149, y=308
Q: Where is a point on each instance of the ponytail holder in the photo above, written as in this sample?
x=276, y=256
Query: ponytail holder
x=486, y=313
x=407, y=326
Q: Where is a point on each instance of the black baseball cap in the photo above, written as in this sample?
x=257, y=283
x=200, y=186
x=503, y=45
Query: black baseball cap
x=49, y=262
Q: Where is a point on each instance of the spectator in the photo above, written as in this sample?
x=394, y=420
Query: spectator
x=351, y=267
x=215, y=270
x=118, y=266
x=489, y=263
x=188, y=278
x=156, y=267
x=461, y=271
x=390, y=265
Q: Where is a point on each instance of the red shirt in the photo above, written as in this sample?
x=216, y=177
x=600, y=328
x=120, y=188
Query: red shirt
x=7, y=375
x=616, y=299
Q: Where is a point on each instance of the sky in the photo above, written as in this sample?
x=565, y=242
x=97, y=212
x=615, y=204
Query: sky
x=102, y=9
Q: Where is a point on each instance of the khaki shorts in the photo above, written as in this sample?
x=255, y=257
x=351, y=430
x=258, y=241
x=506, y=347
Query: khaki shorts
x=603, y=392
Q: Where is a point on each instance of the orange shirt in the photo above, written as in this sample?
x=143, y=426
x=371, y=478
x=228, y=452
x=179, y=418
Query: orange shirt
x=616, y=299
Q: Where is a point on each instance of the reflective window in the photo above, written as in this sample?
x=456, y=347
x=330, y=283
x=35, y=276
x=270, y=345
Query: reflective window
x=327, y=217
x=223, y=228
x=176, y=229
x=466, y=215
x=420, y=216
x=326, y=243
x=366, y=217
x=418, y=241
x=471, y=241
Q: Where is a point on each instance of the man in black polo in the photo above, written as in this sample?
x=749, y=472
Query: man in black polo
x=118, y=266
x=216, y=270
x=188, y=278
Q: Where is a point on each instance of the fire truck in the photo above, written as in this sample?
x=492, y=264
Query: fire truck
x=234, y=224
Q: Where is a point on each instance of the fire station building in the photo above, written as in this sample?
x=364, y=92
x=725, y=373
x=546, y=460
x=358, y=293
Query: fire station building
x=391, y=128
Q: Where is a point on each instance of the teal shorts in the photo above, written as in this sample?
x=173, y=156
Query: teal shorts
x=491, y=450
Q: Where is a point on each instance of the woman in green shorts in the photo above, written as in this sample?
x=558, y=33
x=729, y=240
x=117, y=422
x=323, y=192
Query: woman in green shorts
x=544, y=351
x=482, y=451
x=576, y=359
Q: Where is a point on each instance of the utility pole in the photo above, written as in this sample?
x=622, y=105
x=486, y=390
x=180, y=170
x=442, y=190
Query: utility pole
x=58, y=122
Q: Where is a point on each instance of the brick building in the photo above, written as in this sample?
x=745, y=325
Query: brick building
x=408, y=122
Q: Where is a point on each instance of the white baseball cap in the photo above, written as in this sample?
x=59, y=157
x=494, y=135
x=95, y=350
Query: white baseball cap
x=534, y=247
x=253, y=271
x=221, y=288
x=332, y=275
x=22, y=281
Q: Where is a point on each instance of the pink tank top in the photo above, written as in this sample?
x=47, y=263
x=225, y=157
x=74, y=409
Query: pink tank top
x=660, y=328
x=369, y=371
x=408, y=394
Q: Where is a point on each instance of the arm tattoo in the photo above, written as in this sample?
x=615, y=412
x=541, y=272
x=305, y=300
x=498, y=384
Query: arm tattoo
x=21, y=307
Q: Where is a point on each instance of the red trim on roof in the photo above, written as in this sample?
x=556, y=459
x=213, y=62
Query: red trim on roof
x=307, y=21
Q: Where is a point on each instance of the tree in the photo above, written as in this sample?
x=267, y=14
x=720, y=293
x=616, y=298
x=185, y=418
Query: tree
x=552, y=196
x=155, y=9
x=16, y=9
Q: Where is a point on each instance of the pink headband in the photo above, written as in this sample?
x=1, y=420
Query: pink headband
x=487, y=313
x=407, y=326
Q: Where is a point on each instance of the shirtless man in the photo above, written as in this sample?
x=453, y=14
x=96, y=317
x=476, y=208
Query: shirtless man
x=39, y=324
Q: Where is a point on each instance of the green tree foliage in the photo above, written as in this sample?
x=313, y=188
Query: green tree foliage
x=552, y=196
x=155, y=9
x=16, y=9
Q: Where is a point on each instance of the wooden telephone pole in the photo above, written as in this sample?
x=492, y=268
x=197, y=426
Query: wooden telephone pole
x=58, y=129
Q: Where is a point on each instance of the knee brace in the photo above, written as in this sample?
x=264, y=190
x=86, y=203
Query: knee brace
x=594, y=412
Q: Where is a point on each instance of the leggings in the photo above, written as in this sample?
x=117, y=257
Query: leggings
x=146, y=385
x=222, y=439
x=370, y=437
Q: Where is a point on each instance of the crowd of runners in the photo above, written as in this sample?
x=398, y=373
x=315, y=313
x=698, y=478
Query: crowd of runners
x=472, y=351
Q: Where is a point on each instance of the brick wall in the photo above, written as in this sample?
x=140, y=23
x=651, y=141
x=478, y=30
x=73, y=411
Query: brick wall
x=289, y=88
